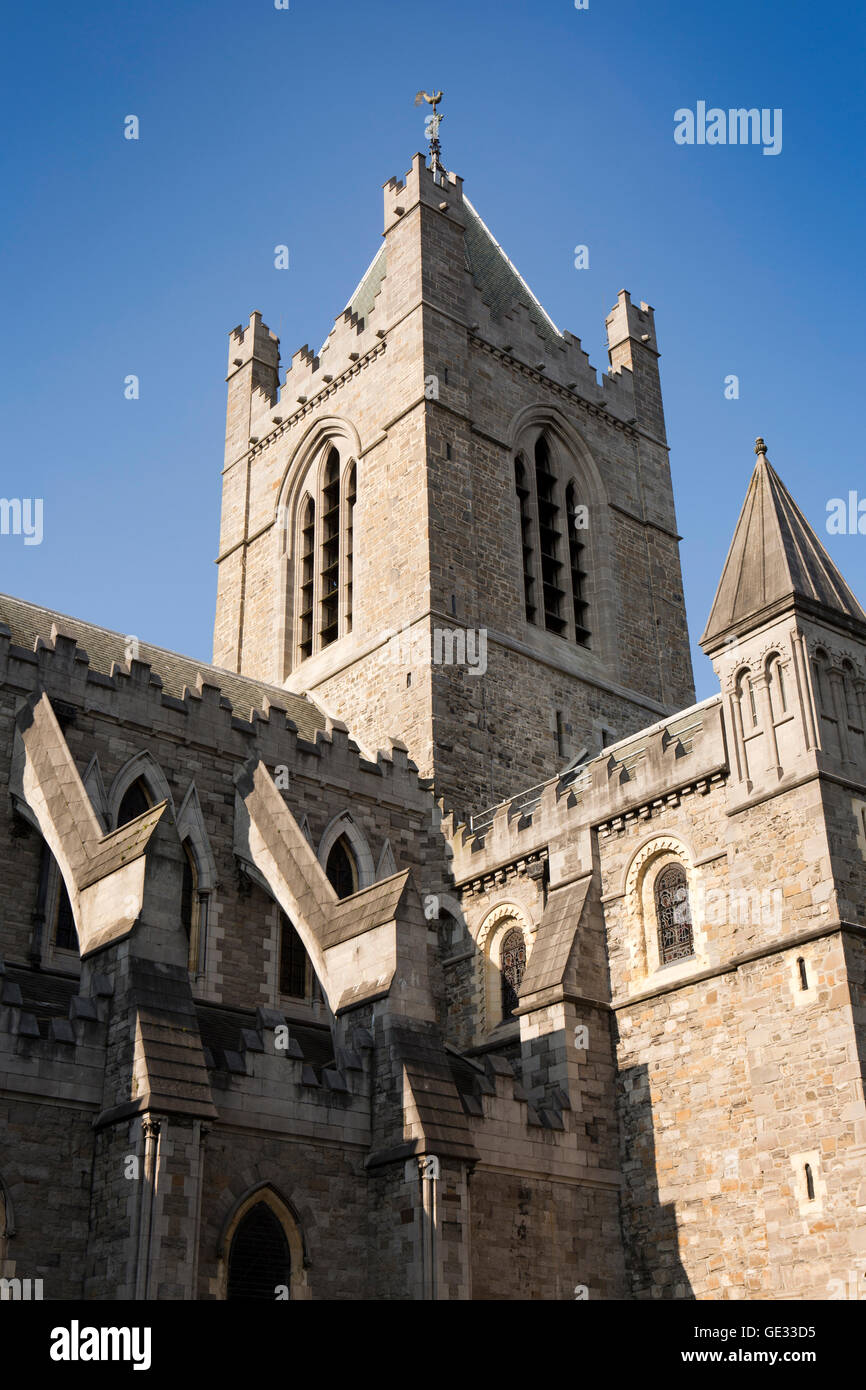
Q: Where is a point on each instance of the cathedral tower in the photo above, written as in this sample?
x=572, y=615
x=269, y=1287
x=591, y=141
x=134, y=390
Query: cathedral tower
x=443, y=526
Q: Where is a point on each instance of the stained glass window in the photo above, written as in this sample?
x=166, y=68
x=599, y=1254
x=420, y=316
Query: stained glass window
x=676, y=941
x=512, y=958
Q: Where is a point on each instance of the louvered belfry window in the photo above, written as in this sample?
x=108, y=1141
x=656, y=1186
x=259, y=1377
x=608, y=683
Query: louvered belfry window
x=307, y=576
x=522, y=489
x=512, y=958
x=549, y=533
x=575, y=559
x=676, y=940
x=330, y=571
x=553, y=552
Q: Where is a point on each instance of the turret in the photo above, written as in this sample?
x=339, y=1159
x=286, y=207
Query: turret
x=787, y=639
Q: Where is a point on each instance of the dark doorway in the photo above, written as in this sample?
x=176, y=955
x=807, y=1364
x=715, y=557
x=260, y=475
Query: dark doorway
x=259, y=1257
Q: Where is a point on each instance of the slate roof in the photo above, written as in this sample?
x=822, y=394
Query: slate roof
x=168, y=1040
x=361, y=302
x=28, y=621
x=496, y=279
x=221, y=1029
x=44, y=995
x=559, y=923
x=775, y=557
x=428, y=1072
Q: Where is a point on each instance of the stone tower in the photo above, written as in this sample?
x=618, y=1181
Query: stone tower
x=443, y=527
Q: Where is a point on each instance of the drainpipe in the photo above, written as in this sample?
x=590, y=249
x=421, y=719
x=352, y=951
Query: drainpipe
x=429, y=1172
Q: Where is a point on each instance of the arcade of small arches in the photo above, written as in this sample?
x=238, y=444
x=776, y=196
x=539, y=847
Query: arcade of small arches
x=765, y=693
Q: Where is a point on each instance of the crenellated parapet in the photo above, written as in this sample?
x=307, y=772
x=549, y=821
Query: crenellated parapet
x=656, y=766
x=134, y=694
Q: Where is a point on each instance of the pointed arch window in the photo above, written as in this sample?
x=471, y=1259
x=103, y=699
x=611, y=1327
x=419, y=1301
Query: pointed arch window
x=341, y=869
x=673, y=915
x=259, y=1260
x=135, y=801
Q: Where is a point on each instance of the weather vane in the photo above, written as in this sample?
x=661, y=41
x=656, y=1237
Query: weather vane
x=431, y=130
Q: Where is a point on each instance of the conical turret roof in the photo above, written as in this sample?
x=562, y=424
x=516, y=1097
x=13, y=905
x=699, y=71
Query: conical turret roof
x=776, y=560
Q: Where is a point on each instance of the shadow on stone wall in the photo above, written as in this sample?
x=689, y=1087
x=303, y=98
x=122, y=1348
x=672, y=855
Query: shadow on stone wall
x=650, y=1231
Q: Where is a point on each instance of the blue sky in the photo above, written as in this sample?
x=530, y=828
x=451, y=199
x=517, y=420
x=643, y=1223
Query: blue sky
x=261, y=127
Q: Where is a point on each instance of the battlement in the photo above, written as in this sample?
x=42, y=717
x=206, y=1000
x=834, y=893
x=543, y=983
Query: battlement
x=256, y=343
x=626, y=320
x=201, y=713
x=670, y=758
x=421, y=186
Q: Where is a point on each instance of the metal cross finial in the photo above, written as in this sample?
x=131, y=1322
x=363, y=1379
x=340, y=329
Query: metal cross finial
x=431, y=130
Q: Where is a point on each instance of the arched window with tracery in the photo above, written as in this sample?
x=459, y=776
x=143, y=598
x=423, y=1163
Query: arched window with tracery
x=341, y=868
x=512, y=964
x=673, y=915
x=259, y=1260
